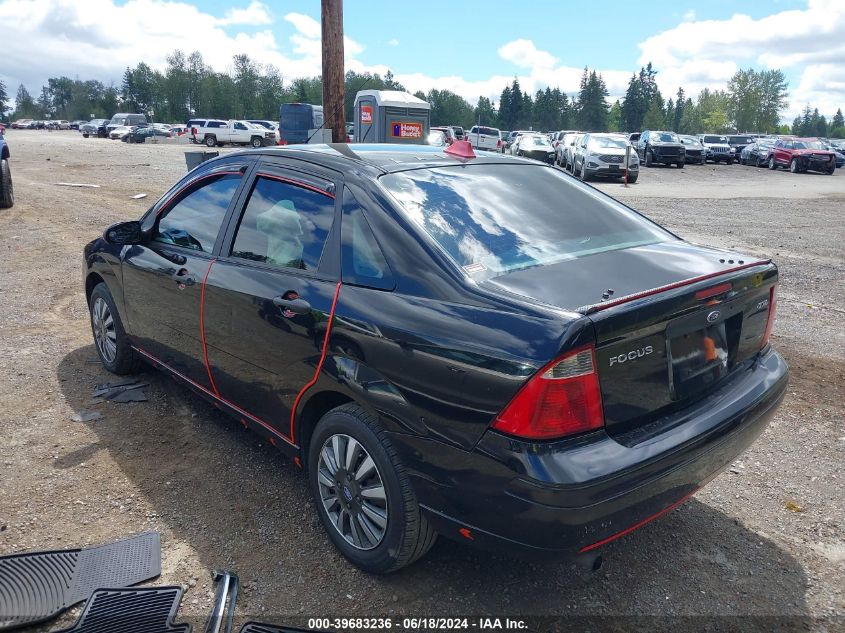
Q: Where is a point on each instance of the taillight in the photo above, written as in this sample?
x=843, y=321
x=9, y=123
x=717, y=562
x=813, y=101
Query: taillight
x=499, y=144
x=563, y=398
x=770, y=322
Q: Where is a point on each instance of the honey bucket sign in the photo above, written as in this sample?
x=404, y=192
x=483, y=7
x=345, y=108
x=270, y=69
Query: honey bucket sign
x=366, y=115
x=406, y=130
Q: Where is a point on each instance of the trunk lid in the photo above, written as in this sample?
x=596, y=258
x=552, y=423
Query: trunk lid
x=672, y=320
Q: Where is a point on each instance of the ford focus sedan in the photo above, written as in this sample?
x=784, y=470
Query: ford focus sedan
x=479, y=347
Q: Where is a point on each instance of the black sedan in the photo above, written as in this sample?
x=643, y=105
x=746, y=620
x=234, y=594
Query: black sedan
x=480, y=347
x=536, y=147
x=757, y=152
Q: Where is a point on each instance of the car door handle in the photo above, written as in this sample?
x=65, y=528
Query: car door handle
x=297, y=306
x=183, y=278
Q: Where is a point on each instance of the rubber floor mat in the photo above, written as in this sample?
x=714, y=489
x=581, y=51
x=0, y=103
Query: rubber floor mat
x=38, y=587
x=142, y=610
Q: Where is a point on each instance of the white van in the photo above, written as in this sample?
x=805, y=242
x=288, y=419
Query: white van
x=485, y=138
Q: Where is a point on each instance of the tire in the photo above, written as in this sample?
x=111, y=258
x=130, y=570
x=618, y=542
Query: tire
x=680, y=164
x=772, y=164
x=632, y=179
x=85, y=135
x=831, y=171
x=256, y=142
x=210, y=141
x=793, y=166
x=7, y=191
x=406, y=535
x=649, y=159
x=106, y=324
x=584, y=176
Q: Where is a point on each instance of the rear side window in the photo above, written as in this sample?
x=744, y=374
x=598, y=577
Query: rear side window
x=491, y=219
x=362, y=259
x=194, y=220
x=284, y=225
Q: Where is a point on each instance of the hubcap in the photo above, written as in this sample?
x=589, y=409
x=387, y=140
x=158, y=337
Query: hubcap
x=105, y=336
x=352, y=492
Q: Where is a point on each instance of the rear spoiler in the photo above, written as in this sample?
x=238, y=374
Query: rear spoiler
x=605, y=304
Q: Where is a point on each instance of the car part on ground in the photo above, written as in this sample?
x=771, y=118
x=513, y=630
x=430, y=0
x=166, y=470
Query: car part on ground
x=225, y=601
x=141, y=610
x=39, y=586
x=122, y=391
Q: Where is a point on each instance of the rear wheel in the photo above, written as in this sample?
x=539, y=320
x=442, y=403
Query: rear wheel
x=210, y=141
x=772, y=163
x=7, y=192
x=680, y=164
x=793, y=166
x=110, y=338
x=363, y=495
x=257, y=142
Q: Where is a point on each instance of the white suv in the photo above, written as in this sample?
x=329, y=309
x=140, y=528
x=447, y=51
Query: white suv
x=486, y=138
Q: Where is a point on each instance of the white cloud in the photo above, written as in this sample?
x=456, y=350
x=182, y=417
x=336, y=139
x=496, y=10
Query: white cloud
x=305, y=24
x=256, y=14
x=523, y=53
x=689, y=16
x=702, y=53
x=393, y=42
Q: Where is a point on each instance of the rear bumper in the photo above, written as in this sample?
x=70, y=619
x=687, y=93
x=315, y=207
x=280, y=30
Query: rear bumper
x=567, y=497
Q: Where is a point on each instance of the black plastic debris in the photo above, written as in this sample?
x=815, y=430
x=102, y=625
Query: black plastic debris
x=122, y=391
x=142, y=610
x=37, y=587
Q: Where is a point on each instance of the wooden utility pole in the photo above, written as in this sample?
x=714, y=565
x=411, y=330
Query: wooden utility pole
x=334, y=109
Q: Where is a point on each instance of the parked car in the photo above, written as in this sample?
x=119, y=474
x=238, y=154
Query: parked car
x=716, y=148
x=633, y=138
x=178, y=130
x=838, y=152
x=74, y=125
x=757, y=153
x=120, y=132
x=801, y=155
x=693, y=149
x=141, y=134
x=124, y=119
x=557, y=137
x=95, y=127
x=486, y=138
x=737, y=143
x=437, y=138
x=218, y=132
x=565, y=150
x=663, y=147
x=459, y=132
x=447, y=132
x=534, y=146
x=462, y=361
x=603, y=155
x=21, y=124
x=7, y=192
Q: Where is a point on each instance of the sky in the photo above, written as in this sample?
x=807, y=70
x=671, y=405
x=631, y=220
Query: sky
x=471, y=47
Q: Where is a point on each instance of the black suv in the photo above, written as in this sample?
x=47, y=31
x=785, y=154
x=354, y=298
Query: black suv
x=738, y=143
x=660, y=147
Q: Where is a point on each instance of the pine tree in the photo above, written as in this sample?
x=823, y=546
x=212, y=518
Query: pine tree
x=654, y=118
x=837, y=121
x=680, y=103
x=24, y=103
x=3, y=98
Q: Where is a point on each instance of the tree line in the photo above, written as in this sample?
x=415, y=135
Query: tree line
x=750, y=102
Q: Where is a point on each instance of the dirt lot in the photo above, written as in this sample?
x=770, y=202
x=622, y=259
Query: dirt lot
x=761, y=547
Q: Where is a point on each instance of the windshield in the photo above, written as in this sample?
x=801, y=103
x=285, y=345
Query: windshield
x=664, y=137
x=602, y=142
x=491, y=219
x=808, y=145
x=715, y=139
x=688, y=140
x=536, y=140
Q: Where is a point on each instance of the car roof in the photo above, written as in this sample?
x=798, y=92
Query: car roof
x=381, y=158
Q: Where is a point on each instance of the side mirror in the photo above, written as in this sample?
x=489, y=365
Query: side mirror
x=124, y=233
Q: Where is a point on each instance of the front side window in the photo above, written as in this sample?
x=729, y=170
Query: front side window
x=194, y=220
x=284, y=224
x=492, y=219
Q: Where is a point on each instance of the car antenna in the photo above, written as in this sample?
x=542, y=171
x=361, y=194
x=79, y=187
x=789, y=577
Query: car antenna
x=334, y=114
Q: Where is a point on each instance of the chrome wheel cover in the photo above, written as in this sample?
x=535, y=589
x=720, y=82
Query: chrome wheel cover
x=105, y=336
x=352, y=492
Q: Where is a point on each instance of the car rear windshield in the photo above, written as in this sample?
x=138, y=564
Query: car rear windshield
x=715, y=139
x=740, y=139
x=488, y=131
x=492, y=219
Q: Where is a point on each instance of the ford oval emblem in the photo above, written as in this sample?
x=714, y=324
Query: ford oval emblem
x=713, y=316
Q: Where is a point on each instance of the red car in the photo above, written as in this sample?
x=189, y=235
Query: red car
x=802, y=154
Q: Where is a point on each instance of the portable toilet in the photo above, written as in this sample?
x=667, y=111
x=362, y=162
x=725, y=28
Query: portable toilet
x=391, y=116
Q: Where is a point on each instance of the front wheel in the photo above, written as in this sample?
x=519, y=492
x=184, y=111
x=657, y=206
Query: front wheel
x=649, y=158
x=632, y=179
x=772, y=163
x=363, y=495
x=110, y=338
x=793, y=166
x=680, y=164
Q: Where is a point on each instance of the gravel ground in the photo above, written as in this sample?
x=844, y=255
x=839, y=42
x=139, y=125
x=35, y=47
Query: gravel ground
x=762, y=547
